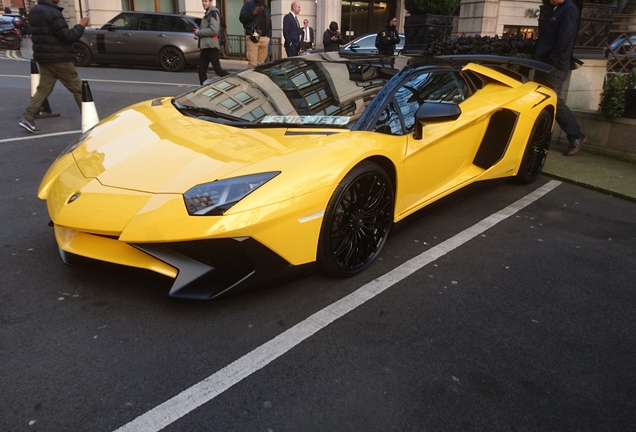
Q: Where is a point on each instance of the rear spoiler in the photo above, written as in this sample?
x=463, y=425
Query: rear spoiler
x=501, y=61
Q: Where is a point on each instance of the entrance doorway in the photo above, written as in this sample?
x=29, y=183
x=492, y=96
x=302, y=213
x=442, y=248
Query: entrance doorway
x=362, y=17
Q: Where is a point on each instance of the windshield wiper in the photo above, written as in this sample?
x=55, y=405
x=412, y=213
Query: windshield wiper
x=196, y=111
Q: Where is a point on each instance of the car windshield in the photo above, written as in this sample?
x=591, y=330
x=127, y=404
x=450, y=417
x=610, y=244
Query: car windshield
x=299, y=91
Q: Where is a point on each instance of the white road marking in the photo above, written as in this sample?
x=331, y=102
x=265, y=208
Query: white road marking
x=211, y=387
x=90, y=80
x=37, y=135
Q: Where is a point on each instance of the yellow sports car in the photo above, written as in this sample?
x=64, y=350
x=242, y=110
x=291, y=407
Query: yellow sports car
x=304, y=160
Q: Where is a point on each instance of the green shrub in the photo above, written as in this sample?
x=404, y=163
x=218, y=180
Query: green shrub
x=612, y=104
x=507, y=45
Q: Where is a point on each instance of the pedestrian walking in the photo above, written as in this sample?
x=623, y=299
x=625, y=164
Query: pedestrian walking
x=555, y=47
x=53, y=50
x=208, y=34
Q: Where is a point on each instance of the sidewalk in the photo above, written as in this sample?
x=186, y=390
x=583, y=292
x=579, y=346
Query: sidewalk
x=611, y=176
x=232, y=65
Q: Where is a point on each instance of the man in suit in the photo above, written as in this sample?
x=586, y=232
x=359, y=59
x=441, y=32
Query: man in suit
x=291, y=30
x=307, y=37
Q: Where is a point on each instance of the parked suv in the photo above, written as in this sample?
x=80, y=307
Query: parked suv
x=141, y=38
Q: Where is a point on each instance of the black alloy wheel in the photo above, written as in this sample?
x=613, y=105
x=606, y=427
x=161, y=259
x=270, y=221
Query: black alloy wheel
x=536, y=150
x=171, y=59
x=357, y=221
x=83, y=56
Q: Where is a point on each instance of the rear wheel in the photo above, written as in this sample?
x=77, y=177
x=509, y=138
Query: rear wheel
x=171, y=59
x=357, y=221
x=83, y=56
x=536, y=150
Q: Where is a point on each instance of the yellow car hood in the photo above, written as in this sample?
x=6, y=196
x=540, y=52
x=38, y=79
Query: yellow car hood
x=158, y=150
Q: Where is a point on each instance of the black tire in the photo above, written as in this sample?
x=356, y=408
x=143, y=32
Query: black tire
x=13, y=42
x=357, y=222
x=83, y=56
x=536, y=150
x=171, y=59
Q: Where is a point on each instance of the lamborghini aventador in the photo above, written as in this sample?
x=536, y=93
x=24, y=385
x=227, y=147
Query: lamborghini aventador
x=302, y=161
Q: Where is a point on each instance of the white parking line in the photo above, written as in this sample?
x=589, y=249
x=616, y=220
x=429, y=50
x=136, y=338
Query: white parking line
x=211, y=387
x=34, y=136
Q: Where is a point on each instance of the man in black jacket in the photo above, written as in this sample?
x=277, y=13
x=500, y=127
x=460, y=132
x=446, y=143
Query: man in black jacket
x=555, y=47
x=53, y=50
x=388, y=38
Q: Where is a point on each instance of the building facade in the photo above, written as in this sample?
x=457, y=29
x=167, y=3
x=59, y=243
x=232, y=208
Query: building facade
x=355, y=18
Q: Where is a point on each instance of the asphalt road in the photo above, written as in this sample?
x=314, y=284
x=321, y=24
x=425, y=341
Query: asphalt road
x=486, y=313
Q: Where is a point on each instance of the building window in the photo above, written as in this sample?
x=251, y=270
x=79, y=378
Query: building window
x=165, y=6
x=526, y=32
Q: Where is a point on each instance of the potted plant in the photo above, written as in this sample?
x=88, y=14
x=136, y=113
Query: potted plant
x=428, y=21
x=612, y=105
x=630, y=96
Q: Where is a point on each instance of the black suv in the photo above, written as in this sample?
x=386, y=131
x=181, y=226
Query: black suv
x=141, y=38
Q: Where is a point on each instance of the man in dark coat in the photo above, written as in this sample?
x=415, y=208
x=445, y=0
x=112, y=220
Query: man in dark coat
x=388, y=38
x=555, y=47
x=291, y=30
x=53, y=51
x=332, y=39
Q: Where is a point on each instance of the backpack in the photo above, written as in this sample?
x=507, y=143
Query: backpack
x=378, y=40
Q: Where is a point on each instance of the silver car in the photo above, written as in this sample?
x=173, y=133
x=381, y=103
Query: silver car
x=366, y=44
x=141, y=38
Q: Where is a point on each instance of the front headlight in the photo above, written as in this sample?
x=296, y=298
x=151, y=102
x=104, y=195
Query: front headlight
x=213, y=199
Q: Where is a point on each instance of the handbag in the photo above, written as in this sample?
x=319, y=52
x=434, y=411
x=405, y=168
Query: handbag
x=575, y=63
x=255, y=35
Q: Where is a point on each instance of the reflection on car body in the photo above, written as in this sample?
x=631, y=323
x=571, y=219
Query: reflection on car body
x=141, y=38
x=301, y=161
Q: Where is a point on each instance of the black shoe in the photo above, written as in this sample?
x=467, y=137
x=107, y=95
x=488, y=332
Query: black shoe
x=28, y=125
x=575, y=146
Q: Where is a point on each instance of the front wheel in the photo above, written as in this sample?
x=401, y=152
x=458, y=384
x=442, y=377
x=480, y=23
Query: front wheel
x=171, y=59
x=357, y=222
x=536, y=150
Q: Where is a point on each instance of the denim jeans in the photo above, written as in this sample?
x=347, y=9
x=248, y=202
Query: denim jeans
x=564, y=117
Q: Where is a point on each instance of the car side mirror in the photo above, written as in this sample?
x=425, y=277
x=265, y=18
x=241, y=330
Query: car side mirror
x=354, y=46
x=109, y=27
x=434, y=112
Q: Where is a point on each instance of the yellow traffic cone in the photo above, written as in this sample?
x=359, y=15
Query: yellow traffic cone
x=45, y=109
x=89, y=112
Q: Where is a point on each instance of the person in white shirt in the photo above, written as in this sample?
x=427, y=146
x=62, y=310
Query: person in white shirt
x=307, y=37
